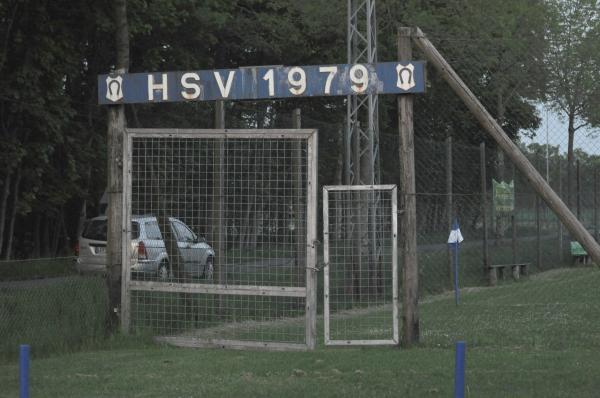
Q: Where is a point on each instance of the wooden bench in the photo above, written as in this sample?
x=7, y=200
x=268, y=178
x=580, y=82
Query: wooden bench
x=579, y=254
x=517, y=269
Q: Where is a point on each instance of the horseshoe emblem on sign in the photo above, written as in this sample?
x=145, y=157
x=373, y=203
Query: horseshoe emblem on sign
x=406, y=79
x=114, y=88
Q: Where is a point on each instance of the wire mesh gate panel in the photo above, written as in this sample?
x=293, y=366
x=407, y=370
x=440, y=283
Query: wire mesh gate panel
x=361, y=262
x=219, y=231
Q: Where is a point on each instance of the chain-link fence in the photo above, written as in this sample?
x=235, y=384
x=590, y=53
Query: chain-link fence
x=460, y=174
x=44, y=303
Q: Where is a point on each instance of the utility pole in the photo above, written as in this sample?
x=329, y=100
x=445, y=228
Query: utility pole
x=115, y=134
x=408, y=238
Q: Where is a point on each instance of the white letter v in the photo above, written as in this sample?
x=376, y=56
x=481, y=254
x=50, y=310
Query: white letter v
x=225, y=90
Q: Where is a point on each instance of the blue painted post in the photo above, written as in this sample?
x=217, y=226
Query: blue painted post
x=459, y=370
x=24, y=371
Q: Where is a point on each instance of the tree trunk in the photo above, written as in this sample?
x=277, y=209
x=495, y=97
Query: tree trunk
x=37, y=230
x=3, y=206
x=46, y=237
x=13, y=215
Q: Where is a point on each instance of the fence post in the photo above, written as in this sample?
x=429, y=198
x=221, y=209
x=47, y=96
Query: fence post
x=491, y=126
x=560, y=226
x=449, y=209
x=538, y=229
x=300, y=245
x=24, y=371
x=218, y=199
x=410, y=286
x=596, y=204
x=459, y=369
x=491, y=272
x=578, y=170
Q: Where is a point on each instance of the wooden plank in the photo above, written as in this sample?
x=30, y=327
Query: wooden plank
x=298, y=188
x=362, y=342
x=410, y=288
x=126, y=238
x=387, y=187
x=326, y=260
x=395, y=303
x=311, y=239
x=193, y=342
x=508, y=265
x=508, y=146
x=222, y=133
x=202, y=288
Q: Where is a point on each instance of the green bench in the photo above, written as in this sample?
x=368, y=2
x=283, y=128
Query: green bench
x=579, y=254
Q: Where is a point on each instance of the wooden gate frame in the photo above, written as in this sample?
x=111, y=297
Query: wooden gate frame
x=309, y=292
x=395, y=306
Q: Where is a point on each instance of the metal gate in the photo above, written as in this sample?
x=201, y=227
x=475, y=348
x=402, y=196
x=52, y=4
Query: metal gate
x=361, y=262
x=218, y=237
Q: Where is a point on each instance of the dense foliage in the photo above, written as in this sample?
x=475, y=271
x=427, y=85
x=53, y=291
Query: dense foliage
x=53, y=134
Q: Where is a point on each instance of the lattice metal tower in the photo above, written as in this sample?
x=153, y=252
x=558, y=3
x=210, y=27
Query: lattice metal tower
x=362, y=121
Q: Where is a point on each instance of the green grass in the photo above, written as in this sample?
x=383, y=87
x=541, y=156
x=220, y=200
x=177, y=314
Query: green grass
x=55, y=315
x=535, y=338
x=16, y=270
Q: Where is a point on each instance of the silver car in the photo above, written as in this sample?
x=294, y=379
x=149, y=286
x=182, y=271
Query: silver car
x=148, y=248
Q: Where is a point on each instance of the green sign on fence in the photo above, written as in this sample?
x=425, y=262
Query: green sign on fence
x=504, y=196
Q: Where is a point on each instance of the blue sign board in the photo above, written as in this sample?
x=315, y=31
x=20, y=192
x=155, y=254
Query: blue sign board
x=263, y=82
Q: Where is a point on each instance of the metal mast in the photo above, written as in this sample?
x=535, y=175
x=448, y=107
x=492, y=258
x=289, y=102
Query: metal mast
x=361, y=164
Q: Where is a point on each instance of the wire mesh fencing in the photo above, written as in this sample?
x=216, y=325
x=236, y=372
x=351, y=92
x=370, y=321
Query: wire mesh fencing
x=361, y=270
x=221, y=252
x=44, y=303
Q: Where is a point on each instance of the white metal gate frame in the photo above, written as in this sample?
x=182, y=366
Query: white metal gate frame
x=309, y=292
x=326, y=258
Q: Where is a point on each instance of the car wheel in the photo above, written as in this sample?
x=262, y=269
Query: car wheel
x=208, y=269
x=163, y=271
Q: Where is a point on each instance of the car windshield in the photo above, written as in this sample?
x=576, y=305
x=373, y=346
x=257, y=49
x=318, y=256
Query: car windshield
x=96, y=230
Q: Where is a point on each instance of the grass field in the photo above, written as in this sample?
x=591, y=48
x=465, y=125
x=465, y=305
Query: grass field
x=535, y=338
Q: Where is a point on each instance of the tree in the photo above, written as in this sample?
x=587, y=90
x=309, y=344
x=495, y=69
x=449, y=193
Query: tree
x=573, y=69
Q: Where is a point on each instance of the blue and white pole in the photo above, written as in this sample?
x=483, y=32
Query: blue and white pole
x=454, y=241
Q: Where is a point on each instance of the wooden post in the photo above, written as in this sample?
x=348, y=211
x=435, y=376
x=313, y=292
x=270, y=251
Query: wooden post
x=219, y=244
x=514, y=240
x=449, y=205
x=491, y=272
x=116, y=130
x=410, y=285
x=493, y=128
x=117, y=292
x=300, y=246
x=311, y=236
x=513, y=219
